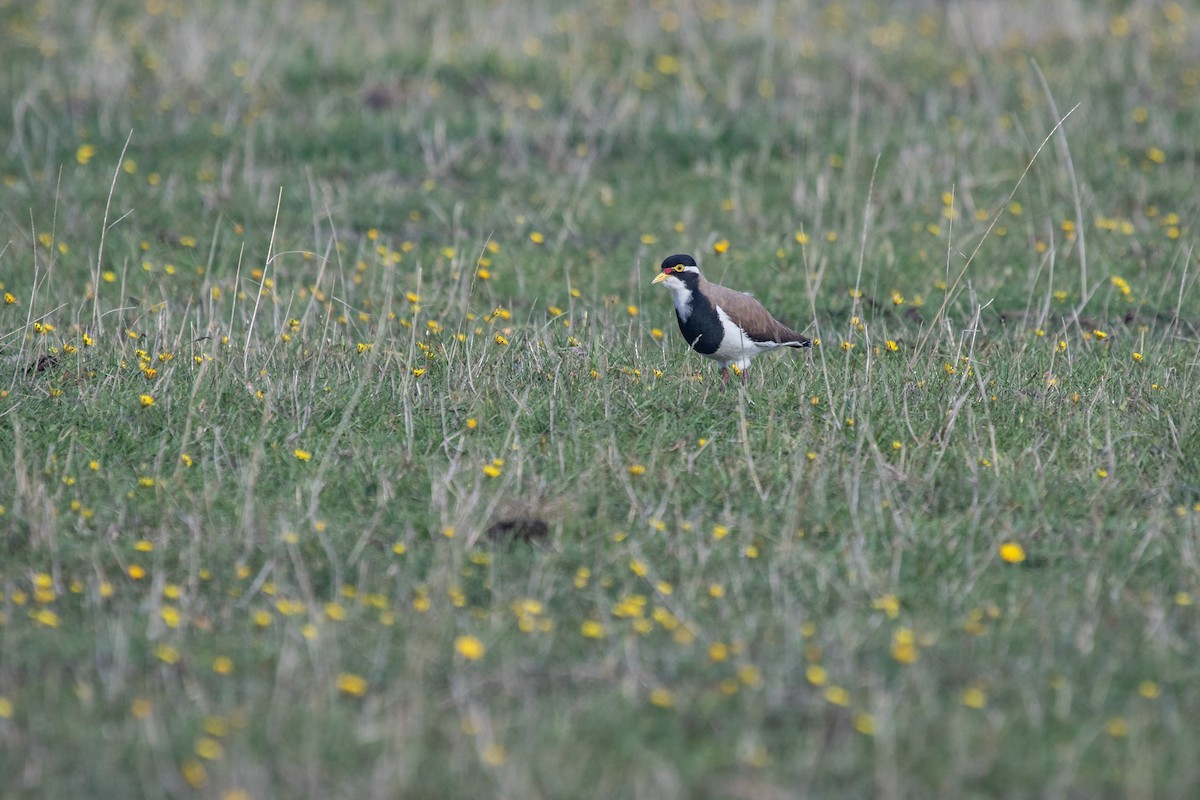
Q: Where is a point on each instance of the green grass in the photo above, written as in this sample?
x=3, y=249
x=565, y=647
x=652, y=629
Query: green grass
x=352, y=257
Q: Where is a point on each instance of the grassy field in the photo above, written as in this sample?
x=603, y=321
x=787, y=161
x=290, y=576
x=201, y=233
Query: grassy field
x=347, y=452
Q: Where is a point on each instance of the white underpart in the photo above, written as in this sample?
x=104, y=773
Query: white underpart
x=681, y=296
x=737, y=349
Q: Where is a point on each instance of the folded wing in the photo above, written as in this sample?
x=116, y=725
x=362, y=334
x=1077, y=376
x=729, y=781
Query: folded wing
x=753, y=318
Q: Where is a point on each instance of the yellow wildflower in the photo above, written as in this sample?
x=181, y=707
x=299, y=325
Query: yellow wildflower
x=469, y=647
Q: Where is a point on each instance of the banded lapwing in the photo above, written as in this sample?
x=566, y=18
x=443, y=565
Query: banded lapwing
x=727, y=326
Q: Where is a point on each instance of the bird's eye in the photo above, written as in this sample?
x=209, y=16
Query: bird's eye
x=679, y=268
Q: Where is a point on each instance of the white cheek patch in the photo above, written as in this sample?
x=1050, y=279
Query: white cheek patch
x=681, y=297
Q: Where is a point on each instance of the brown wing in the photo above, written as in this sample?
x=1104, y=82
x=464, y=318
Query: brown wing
x=752, y=316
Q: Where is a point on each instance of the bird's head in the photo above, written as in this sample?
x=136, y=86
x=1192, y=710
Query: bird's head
x=678, y=271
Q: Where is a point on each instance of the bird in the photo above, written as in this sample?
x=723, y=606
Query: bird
x=726, y=325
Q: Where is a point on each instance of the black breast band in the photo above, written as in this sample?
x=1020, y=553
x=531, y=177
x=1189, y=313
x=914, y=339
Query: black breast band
x=703, y=329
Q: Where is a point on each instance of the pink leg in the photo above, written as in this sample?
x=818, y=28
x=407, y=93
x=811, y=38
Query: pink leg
x=724, y=376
